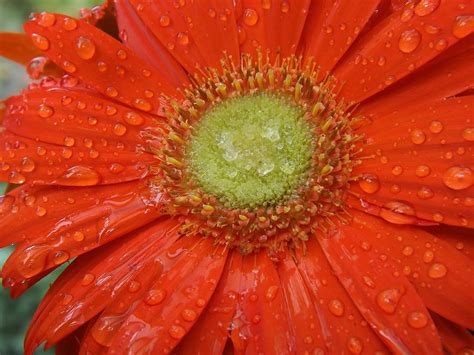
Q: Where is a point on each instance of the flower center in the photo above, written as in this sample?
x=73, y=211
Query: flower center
x=251, y=151
x=256, y=155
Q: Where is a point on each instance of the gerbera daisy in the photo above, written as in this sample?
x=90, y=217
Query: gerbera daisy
x=245, y=176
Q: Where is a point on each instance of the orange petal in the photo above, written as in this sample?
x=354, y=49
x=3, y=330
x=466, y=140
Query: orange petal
x=17, y=47
x=25, y=160
x=343, y=326
x=456, y=339
x=261, y=324
x=331, y=28
x=141, y=40
x=274, y=26
x=176, y=300
x=97, y=222
x=211, y=331
x=303, y=316
x=457, y=237
x=440, y=273
x=72, y=343
x=99, y=60
x=399, y=44
x=385, y=298
x=90, y=282
x=195, y=33
x=423, y=160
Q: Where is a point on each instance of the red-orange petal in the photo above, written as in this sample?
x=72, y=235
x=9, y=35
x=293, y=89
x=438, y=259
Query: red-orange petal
x=99, y=60
x=141, y=40
x=331, y=28
x=195, y=33
x=273, y=26
x=175, y=301
x=342, y=324
x=457, y=237
x=440, y=273
x=26, y=160
x=401, y=43
x=383, y=295
x=90, y=282
x=455, y=339
x=98, y=222
x=303, y=316
x=261, y=310
x=211, y=332
x=422, y=163
x=17, y=47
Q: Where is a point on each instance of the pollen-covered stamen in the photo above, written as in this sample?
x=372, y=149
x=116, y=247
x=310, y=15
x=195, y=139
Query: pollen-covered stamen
x=257, y=155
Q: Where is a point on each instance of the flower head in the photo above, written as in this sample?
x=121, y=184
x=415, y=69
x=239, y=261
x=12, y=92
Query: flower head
x=252, y=176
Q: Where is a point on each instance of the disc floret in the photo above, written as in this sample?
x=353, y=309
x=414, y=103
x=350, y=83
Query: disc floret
x=256, y=155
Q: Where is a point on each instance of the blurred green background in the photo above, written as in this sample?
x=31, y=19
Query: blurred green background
x=15, y=315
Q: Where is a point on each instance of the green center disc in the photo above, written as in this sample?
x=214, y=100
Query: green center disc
x=251, y=151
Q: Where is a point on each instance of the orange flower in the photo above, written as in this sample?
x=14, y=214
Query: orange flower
x=216, y=190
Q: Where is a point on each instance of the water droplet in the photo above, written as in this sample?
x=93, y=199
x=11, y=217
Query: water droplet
x=397, y=170
x=79, y=175
x=182, y=38
x=266, y=4
x=87, y=279
x=468, y=134
x=406, y=15
x=155, y=297
x=40, y=211
x=250, y=17
x=417, y=320
x=116, y=168
x=284, y=6
x=398, y=212
x=336, y=307
x=407, y=251
x=409, y=40
x=436, y=127
x=142, y=104
x=428, y=256
x=121, y=54
x=69, y=141
x=111, y=91
x=60, y=257
x=40, y=42
x=422, y=170
x=69, y=24
x=165, y=21
x=133, y=286
x=189, y=315
x=354, y=345
x=369, y=183
x=133, y=118
x=425, y=193
x=271, y=293
x=78, y=236
x=418, y=136
x=85, y=48
x=46, y=19
x=119, y=129
x=177, y=331
x=16, y=178
x=426, y=7
x=463, y=26
x=437, y=271
x=458, y=178
x=388, y=300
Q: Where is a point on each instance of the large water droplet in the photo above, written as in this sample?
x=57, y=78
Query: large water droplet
x=417, y=320
x=177, y=331
x=458, y=178
x=426, y=7
x=463, y=26
x=409, y=40
x=250, y=17
x=369, y=183
x=437, y=271
x=388, y=300
x=85, y=48
x=155, y=297
x=354, y=345
x=336, y=307
x=79, y=175
x=40, y=42
x=398, y=212
x=46, y=19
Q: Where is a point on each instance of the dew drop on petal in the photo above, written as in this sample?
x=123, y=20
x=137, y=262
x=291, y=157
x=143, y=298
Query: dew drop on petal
x=284, y=6
x=165, y=21
x=142, y=104
x=119, y=129
x=79, y=175
x=398, y=212
x=369, y=183
x=155, y=297
x=78, y=236
x=409, y=41
x=182, y=38
x=60, y=257
x=271, y=293
x=417, y=320
x=46, y=19
x=16, y=178
x=45, y=111
x=111, y=91
x=437, y=271
x=468, y=134
x=189, y=315
x=266, y=4
x=250, y=17
x=85, y=47
x=426, y=7
x=133, y=118
x=388, y=300
x=133, y=286
x=458, y=178
x=40, y=42
x=176, y=331
x=422, y=170
x=425, y=193
x=354, y=345
x=463, y=26
x=87, y=279
x=418, y=136
x=436, y=127
x=69, y=24
x=336, y=307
